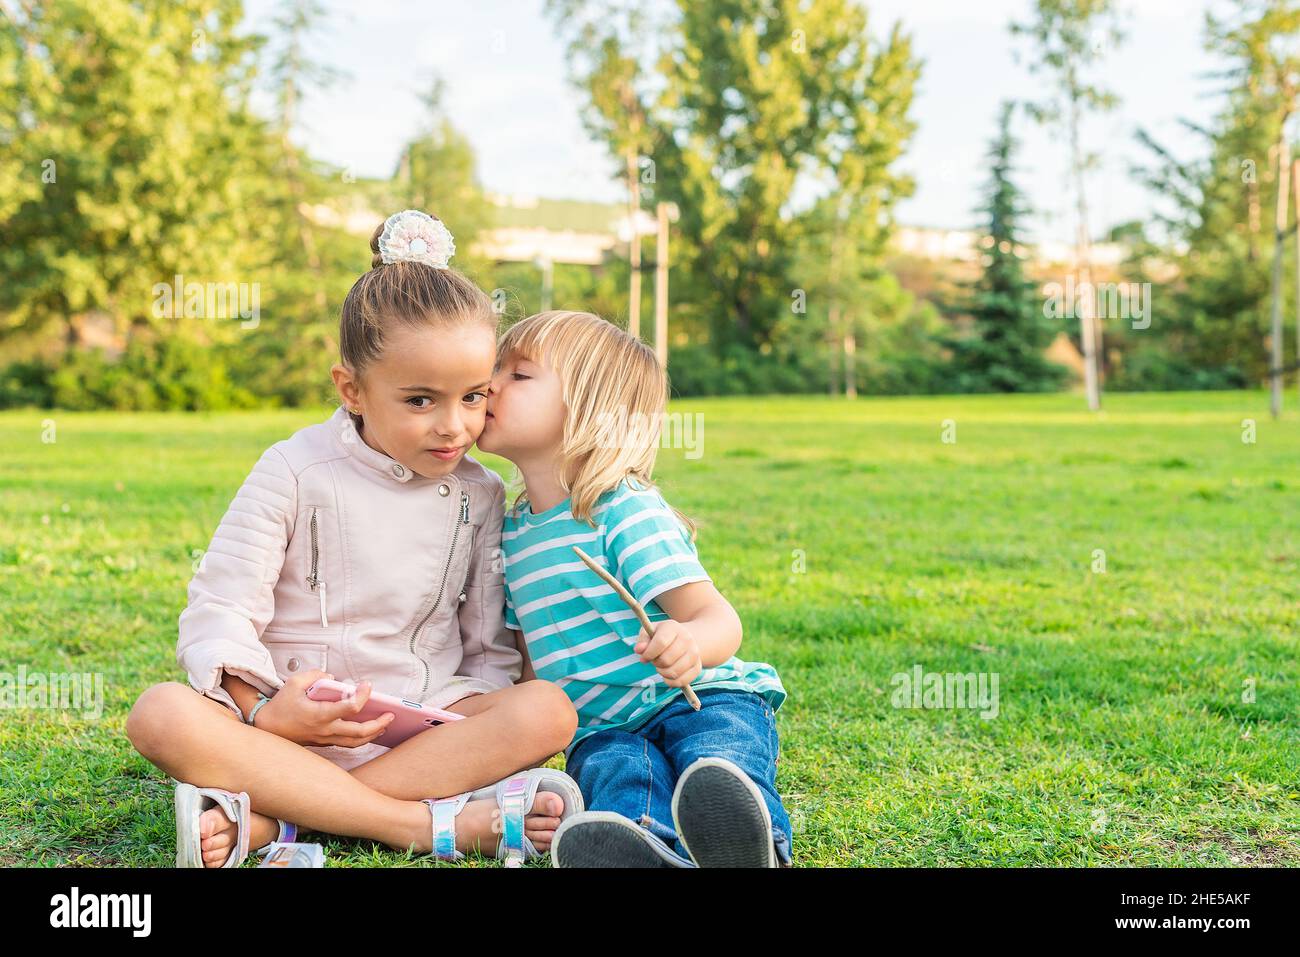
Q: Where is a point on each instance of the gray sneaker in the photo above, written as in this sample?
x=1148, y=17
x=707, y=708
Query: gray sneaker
x=721, y=817
x=606, y=839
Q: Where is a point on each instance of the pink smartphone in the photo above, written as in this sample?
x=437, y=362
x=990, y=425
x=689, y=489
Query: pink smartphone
x=410, y=717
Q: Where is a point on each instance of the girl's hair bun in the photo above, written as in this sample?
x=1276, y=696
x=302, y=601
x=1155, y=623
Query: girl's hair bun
x=412, y=236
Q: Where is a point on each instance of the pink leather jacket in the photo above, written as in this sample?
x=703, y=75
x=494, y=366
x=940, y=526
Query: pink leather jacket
x=334, y=556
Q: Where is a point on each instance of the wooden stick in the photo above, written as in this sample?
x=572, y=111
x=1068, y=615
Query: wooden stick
x=635, y=605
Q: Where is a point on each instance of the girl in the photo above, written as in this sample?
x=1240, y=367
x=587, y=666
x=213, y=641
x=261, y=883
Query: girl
x=363, y=548
x=577, y=405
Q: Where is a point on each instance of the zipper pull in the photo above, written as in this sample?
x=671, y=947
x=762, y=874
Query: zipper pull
x=464, y=508
x=324, y=622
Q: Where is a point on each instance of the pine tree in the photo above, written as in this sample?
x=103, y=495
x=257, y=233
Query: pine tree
x=1005, y=351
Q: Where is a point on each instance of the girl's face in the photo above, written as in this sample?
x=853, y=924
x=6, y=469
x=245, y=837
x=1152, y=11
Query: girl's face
x=525, y=415
x=423, y=400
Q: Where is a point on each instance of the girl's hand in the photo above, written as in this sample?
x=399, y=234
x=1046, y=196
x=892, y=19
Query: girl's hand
x=294, y=716
x=673, y=651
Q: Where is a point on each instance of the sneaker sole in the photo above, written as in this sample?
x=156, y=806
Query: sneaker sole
x=721, y=817
x=605, y=839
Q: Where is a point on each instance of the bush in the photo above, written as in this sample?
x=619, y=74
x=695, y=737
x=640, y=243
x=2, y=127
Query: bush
x=25, y=384
x=162, y=375
x=699, y=370
x=903, y=375
x=289, y=371
x=1151, y=369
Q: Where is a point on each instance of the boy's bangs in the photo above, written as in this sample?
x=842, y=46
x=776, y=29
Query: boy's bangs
x=526, y=339
x=573, y=344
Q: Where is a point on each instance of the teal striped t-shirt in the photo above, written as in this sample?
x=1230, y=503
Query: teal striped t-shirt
x=579, y=632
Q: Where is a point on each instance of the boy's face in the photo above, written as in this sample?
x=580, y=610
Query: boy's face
x=525, y=412
x=423, y=400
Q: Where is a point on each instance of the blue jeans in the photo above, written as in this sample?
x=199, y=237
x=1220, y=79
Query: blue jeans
x=634, y=772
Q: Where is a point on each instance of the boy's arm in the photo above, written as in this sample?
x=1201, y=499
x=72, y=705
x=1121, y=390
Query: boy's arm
x=703, y=631
x=528, y=673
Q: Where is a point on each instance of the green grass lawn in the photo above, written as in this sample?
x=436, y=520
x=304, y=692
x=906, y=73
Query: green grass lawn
x=1148, y=714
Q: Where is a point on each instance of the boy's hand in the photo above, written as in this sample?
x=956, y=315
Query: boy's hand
x=673, y=651
x=294, y=716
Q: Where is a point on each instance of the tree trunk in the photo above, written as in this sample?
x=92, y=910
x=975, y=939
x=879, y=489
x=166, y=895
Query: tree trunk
x=839, y=342
x=1089, y=328
x=1275, y=351
x=833, y=348
x=634, y=244
x=661, y=285
x=850, y=369
x=1252, y=215
x=1295, y=176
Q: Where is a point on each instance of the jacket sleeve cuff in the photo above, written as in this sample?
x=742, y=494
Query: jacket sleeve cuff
x=206, y=679
x=222, y=695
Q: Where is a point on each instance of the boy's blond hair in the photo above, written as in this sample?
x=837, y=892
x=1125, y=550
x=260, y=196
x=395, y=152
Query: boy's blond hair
x=615, y=392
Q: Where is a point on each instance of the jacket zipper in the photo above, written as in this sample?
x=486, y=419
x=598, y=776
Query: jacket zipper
x=313, y=582
x=446, y=569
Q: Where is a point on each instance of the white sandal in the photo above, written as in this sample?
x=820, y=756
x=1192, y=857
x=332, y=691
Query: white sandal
x=514, y=796
x=192, y=801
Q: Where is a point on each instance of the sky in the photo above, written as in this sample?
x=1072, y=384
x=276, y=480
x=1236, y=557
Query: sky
x=507, y=90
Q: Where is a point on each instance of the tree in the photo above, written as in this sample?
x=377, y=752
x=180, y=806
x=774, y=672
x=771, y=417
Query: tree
x=1004, y=352
x=749, y=98
x=135, y=156
x=606, y=50
x=1067, y=34
x=293, y=74
x=1215, y=205
x=848, y=230
x=1273, y=74
x=436, y=173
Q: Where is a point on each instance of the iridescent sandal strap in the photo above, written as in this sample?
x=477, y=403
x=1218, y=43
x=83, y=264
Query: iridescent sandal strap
x=288, y=834
x=514, y=805
x=444, y=826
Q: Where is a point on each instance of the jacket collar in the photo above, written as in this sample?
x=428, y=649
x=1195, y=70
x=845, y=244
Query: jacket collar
x=345, y=426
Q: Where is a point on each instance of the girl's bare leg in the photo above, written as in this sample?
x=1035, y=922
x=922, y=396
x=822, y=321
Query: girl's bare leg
x=197, y=740
x=504, y=731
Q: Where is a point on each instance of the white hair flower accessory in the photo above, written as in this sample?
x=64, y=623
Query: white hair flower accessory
x=412, y=236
